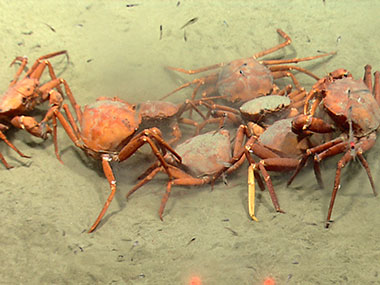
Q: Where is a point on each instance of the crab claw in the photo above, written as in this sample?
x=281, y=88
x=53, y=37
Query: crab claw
x=303, y=123
x=44, y=130
x=31, y=126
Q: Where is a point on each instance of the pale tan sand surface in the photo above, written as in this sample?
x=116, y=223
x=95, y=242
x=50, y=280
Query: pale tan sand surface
x=46, y=207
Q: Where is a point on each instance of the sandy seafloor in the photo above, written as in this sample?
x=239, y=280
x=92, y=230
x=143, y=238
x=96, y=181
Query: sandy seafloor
x=47, y=207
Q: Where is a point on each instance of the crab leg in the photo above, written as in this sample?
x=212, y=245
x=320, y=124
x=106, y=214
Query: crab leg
x=376, y=87
x=148, y=175
x=297, y=98
x=55, y=98
x=282, y=74
x=314, y=151
x=313, y=93
x=189, y=105
x=3, y=161
x=220, y=114
x=199, y=70
x=142, y=138
x=39, y=65
x=238, y=152
x=368, y=77
x=4, y=138
x=286, y=91
x=112, y=181
x=269, y=184
x=24, y=62
x=364, y=145
x=180, y=178
x=184, y=180
x=199, y=82
x=71, y=120
x=70, y=130
x=297, y=94
x=146, y=137
x=238, y=158
x=278, y=68
x=295, y=60
x=70, y=127
x=287, y=42
x=73, y=102
x=257, y=55
x=264, y=173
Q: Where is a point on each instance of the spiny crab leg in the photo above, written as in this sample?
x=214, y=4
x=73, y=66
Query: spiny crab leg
x=4, y=138
x=112, y=182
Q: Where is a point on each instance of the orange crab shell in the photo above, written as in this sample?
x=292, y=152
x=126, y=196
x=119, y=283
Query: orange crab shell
x=243, y=80
x=156, y=110
x=19, y=99
x=280, y=138
x=108, y=124
x=365, y=110
x=206, y=154
x=257, y=109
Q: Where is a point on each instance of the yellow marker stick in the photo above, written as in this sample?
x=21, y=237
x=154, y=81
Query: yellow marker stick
x=251, y=192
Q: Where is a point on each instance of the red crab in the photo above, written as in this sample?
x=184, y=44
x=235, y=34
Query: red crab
x=166, y=115
x=262, y=110
x=23, y=95
x=353, y=106
x=202, y=157
x=244, y=79
x=279, y=150
x=107, y=131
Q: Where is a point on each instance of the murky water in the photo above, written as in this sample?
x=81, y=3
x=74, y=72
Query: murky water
x=116, y=50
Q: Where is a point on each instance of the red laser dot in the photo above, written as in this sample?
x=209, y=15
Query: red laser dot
x=195, y=280
x=269, y=281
